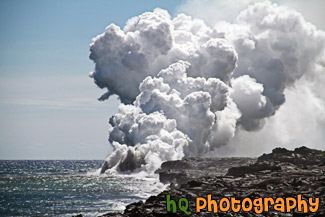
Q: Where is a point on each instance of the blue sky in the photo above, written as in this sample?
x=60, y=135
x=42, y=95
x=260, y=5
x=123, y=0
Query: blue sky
x=48, y=104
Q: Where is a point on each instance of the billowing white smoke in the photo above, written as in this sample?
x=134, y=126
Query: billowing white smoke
x=188, y=89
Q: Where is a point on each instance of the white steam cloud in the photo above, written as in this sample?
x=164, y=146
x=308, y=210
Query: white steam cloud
x=189, y=90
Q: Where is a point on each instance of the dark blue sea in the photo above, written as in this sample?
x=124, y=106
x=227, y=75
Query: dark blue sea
x=68, y=187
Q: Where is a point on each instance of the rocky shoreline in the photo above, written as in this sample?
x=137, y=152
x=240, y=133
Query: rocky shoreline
x=282, y=173
x=182, y=171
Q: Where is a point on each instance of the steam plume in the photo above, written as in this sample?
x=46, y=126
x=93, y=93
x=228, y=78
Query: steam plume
x=188, y=89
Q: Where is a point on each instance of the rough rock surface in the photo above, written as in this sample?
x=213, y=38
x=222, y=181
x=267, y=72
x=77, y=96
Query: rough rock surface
x=282, y=173
x=182, y=171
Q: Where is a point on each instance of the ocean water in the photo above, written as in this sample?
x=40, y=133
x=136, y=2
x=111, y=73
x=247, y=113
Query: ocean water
x=68, y=187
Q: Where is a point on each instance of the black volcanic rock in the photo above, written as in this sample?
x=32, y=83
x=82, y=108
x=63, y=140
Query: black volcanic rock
x=252, y=169
x=300, y=156
x=182, y=171
x=282, y=173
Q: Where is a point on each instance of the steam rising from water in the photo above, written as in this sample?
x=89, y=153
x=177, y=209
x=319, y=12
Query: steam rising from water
x=188, y=89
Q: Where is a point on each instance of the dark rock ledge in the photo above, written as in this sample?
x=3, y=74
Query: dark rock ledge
x=282, y=173
x=182, y=171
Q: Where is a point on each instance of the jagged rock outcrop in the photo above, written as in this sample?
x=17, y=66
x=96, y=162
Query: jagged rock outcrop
x=282, y=173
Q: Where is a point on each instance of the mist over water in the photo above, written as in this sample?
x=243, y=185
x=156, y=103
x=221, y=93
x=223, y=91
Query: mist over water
x=188, y=89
